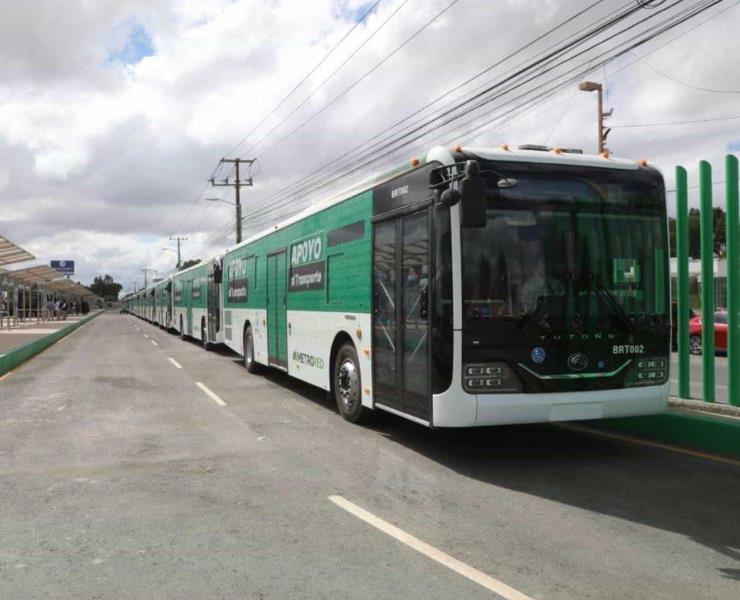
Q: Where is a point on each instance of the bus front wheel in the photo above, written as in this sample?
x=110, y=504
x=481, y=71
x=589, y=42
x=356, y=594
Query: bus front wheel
x=347, y=384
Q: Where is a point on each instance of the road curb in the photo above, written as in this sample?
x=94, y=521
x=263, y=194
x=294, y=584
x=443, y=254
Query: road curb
x=20, y=354
x=716, y=434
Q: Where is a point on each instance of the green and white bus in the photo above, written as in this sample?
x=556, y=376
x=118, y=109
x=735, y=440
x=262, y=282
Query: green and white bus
x=473, y=287
x=196, y=302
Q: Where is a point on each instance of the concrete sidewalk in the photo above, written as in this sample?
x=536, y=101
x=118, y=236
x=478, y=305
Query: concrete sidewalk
x=28, y=339
x=31, y=330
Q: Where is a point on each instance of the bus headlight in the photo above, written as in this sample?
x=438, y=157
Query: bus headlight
x=487, y=378
x=649, y=371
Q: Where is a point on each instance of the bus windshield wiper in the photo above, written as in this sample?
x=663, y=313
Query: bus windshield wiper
x=539, y=312
x=535, y=314
x=610, y=300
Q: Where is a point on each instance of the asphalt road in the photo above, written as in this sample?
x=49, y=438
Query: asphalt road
x=121, y=478
x=695, y=377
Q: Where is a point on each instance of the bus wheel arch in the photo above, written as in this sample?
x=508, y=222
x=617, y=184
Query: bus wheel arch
x=346, y=379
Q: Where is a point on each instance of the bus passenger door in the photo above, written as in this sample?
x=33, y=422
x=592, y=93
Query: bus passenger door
x=189, y=307
x=401, y=253
x=277, y=310
x=214, y=306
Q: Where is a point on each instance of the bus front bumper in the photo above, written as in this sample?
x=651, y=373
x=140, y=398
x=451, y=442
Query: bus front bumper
x=457, y=408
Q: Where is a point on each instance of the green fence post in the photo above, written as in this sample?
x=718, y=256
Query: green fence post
x=733, y=279
x=707, y=280
x=682, y=283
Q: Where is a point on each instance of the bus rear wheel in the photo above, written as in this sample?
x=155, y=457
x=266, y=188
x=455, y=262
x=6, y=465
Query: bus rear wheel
x=249, y=362
x=204, y=337
x=347, y=384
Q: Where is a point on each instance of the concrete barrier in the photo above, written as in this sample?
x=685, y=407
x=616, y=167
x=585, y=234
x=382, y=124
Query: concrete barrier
x=716, y=434
x=20, y=354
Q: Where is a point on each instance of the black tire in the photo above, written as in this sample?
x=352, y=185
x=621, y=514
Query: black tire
x=249, y=363
x=204, y=338
x=182, y=330
x=347, y=384
x=695, y=344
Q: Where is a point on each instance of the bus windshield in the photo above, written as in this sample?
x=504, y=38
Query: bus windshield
x=568, y=252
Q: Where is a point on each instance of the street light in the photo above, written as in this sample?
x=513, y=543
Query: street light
x=592, y=86
x=238, y=215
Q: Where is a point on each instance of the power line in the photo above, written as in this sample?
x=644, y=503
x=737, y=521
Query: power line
x=383, y=142
x=446, y=95
x=404, y=138
x=344, y=92
x=308, y=75
x=667, y=123
x=216, y=170
x=388, y=141
x=647, y=36
x=688, y=85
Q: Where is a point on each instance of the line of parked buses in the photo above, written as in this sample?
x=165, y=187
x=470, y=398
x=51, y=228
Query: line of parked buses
x=473, y=286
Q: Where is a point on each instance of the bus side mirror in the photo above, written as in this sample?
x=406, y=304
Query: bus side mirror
x=473, y=196
x=217, y=274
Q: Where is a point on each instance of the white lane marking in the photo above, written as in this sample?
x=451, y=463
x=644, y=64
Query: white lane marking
x=154, y=343
x=210, y=394
x=174, y=362
x=486, y=581
x=146, y=336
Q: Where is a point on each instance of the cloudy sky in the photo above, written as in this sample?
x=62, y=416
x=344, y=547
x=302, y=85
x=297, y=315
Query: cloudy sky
x=114, y=113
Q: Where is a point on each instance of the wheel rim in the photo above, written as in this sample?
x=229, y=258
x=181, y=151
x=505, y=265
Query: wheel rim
x=348, y=384
x=695, y=345
x=248, y=351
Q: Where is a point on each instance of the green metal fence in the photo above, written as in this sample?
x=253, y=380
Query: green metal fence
x=707, y=280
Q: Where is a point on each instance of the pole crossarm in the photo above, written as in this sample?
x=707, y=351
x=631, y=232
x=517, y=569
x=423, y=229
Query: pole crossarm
x=237, y=184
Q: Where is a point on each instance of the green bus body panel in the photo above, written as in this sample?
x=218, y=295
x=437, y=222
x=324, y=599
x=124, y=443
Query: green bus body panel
x=197, y=278
x=347, y=266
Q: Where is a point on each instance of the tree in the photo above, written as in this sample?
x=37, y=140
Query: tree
x=105, y=287
x=718, y=227
x=189, y=263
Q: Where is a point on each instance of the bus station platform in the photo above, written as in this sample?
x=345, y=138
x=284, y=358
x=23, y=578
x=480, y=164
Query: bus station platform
x=21, y=341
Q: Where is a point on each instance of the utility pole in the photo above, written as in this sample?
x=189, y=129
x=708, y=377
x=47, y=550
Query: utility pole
x=178, y=239
x=145, y=271
x=237, y=185
x=603, y=132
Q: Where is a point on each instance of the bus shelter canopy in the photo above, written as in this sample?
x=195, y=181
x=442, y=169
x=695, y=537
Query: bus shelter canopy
x=39, y=275
x=45, y=277
x=12, y=253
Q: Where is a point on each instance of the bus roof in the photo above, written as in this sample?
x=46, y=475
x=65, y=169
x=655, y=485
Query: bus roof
x=448, y=156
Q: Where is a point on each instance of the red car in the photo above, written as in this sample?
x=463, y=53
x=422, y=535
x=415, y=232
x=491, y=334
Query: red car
x=720, y=333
